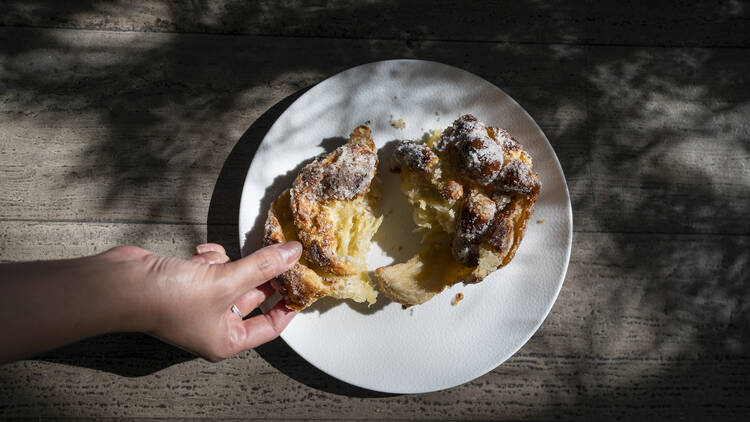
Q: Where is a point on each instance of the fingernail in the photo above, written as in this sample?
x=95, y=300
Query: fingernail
x=198, y=259
x=201, y=249
x=290, y=250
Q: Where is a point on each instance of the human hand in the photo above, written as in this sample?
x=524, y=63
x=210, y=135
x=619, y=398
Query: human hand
x=188, y=302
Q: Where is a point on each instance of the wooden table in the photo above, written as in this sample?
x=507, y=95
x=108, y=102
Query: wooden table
x=134, y=123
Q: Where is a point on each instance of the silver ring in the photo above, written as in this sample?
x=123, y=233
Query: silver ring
x=236, y=310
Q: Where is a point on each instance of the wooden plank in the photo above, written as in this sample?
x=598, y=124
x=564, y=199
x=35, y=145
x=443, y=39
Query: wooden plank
x=682, y=182
x=669, y=144
x=115, y=150
x=136, y=127
x=646, y=327
x=107, y=138
x=601, y=22
x=32, y=240
x=151, y=150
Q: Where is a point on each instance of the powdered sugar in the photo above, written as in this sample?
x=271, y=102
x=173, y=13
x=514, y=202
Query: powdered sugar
x=350, y=175
x=507, y=142
x=417, y=157
x=474, y=219
x=501, y=201
x=480, y=156
x=343, y=175
x=489, y=163
x=516, y=177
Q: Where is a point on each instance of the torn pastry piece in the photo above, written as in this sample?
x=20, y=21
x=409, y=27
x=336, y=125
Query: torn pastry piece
x=473, y=190
x=330, y=210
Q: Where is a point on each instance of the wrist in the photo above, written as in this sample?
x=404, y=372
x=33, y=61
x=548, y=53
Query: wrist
x=126, y=289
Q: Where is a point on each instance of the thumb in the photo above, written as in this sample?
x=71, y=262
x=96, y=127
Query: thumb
x=264, y=264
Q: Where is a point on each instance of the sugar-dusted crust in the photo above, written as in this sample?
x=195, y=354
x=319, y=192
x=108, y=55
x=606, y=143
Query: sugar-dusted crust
x=305, y=213
x=476, y=186
x=343, y=175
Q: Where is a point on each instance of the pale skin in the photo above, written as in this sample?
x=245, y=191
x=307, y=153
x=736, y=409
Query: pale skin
x=187, y=303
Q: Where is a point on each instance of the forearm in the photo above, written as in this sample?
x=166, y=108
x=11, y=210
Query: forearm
x=192, y=303
x=44, y=305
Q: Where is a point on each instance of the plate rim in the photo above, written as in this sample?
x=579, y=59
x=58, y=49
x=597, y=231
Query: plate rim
x=569, y=234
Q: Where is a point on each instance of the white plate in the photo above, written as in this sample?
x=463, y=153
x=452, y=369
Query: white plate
x=432, y=346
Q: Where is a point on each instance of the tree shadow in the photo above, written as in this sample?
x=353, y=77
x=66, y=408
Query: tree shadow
x=652, y=141
x=224, y=208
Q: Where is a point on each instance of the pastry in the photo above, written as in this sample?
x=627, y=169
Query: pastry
x=330, y=210
x=473, y=190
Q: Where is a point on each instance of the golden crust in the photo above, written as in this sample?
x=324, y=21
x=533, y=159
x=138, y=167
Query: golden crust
x=479, y=185
x=300, y=286
x=303, y=213
x=343, y=175
x=476, y=191
x=520, y=222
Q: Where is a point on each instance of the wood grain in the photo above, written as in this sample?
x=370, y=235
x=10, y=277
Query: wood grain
x=636, y=333
x=33, y=240
x=133, y=123
x=128, y=131
x=116, y=150
x=673, y=23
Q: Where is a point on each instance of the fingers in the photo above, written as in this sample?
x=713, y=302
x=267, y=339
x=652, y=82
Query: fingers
x=253, y=298
x=210, y=257
x=208, y=247
x=254, y=270
x=210, y=253
x=264, y=328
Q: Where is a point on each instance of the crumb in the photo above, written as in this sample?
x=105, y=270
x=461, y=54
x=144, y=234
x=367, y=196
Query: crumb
x=368, y=123
x=458, y=298
x=398, y=124
x=401, y=248
x=389, y=212
x=405, y=307
x=541, y=221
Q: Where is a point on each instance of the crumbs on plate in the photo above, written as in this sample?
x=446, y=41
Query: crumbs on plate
x=458, y=298
x=541, y=221
x=398, y=124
